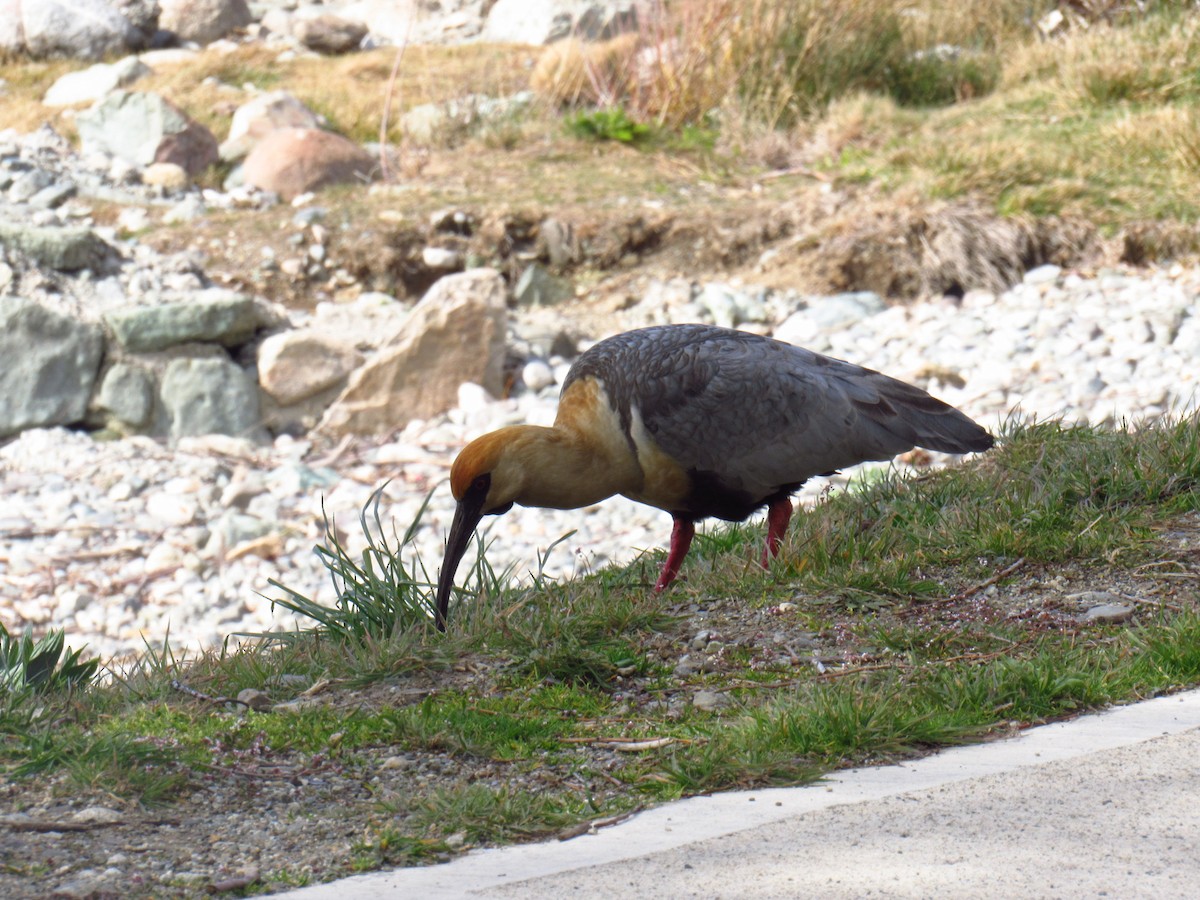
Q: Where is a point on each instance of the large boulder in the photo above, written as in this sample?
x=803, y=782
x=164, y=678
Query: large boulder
x=65, y=249
x=329, y=34
x=217, y=316
x=127, y=395
x=203, y=21
x=50, y=365
x=293, y=161
x=255, y=119
x=143, y=128
x=81, y=29
x=295, y=365
x=91, y=84
x=546, y=21
x=397, y=22
x=455, y=334
x=210, y=396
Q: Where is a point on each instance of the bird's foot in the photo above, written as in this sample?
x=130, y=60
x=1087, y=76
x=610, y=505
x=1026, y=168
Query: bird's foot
x=779, y=514
x=681, y=540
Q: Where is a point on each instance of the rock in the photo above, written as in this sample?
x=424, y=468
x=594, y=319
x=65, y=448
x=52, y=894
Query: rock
x=455, y=334
x=720, y=301
x=171, y=177
x=294, y=161
x=558, y=242
x=50, y=365
x=328, y=33
x=143, y=128
x=170, y=509
x=257, y=700
x=537, y=374
x=127, y=392
x=53, y=196
x=295, y=365
x=209, y=396
x=1047, y=274
x=203, y=21
x=98, y=815
x=843, y=310
x=64, y=249
x=1108, y=614
x=26, y=184
x=813, y=326
x=191, y=207
x=95, y=82
x=537, y=287
x=442, y=258
x=79, y=29
x=709, y=701
x=265, y=113
x=443, y=124
x=545, y=21
x=223, y=317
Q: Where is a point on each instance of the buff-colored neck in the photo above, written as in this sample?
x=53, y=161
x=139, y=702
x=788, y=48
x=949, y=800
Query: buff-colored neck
x=562, y=468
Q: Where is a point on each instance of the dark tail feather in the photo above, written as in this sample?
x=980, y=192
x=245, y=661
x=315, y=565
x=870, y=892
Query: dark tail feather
x=933, y=424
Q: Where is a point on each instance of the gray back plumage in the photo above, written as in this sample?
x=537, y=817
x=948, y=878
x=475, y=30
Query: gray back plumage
x=759, y=414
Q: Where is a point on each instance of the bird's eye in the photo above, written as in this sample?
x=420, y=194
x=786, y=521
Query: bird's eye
x=482, y=484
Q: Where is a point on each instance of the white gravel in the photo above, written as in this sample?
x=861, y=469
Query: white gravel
x=120, y=542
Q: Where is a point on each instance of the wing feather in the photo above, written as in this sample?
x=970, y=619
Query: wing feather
x=760, y=414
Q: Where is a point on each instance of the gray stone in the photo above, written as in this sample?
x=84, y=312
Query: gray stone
x=53, y=196
x=225, y=318
x=27, y=184
x=1047, y=274
x=328, y=33
x=545, y=21
x=441, y=258
x=558, y=242
x=232, y=528
x=443, y=124
x=255, y=699
x=128, y=393
x=50, y=367
x=843, y=310
x=191, y=207
x=210, y=396
x=203, y=21
x=81, y=29
x=537, y=374
x=1109, y=614
x=721, y=302
x=65, y=249
x=143, y=128
x=90, y=84
x=709, y=701
x=537, y=287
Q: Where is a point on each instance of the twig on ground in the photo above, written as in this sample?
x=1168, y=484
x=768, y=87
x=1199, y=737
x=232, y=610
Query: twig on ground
x=595, y=824
x=984, y=585
x=178, y=685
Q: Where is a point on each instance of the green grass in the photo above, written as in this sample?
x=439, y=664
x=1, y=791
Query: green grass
x=525, y=696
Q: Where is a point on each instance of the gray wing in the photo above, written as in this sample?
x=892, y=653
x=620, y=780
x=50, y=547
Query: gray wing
x=760, y=413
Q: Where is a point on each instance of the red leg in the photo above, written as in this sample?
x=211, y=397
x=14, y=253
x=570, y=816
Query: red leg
x=779, y=513
x=681, y=540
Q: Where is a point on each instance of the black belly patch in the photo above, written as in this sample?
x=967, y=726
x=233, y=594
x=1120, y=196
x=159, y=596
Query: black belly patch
x=710, y=496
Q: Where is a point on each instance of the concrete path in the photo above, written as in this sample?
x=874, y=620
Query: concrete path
x=1106, y=805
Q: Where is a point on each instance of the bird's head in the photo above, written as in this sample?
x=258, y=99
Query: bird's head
x=485, y=479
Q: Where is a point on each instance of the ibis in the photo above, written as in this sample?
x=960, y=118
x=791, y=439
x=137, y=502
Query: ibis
x=699, y=421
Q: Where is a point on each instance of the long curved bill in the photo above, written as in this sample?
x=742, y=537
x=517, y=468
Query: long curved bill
x=466, y=517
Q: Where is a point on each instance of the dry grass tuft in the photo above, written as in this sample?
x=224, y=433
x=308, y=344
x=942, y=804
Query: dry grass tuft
x=573, y=73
